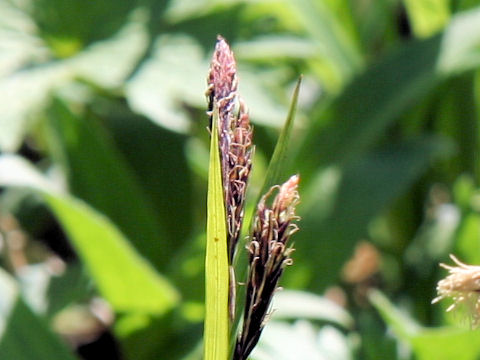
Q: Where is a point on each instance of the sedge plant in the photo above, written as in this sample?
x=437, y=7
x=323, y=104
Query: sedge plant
x=274, y=222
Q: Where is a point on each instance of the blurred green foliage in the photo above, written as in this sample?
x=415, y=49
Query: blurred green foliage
x=104, y=158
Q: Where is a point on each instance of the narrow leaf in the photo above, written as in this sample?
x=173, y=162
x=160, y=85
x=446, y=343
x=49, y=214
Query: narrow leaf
x=275, y=175
x=279, y=162
x=216, y=262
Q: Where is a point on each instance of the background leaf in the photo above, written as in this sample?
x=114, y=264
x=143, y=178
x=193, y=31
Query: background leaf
x=362, y=189
x=127, y=281
x=90, y=157
x=107, y=104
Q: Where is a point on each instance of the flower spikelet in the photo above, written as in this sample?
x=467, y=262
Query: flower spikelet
x=269, y=254
x=463, y=286
x=235, y=137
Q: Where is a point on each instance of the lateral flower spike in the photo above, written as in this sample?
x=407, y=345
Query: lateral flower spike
x=235, y=137
x=463, y=286
x=269, y=254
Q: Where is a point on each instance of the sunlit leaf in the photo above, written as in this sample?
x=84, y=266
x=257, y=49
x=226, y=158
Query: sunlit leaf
x=216, y=263
x=125, y=279
x=427, y=16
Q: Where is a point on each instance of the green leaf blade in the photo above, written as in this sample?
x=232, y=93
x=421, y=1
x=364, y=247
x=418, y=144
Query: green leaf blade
x=88, y=156
x=122, y=276
x=279, y=161
x=216, y=262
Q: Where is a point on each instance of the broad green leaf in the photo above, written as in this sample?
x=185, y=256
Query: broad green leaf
x=98, y=174
x=23, y=334
x=427, y=16
x=124, y=278
x=443, y=343
x=465, y=5
x=447, y=343
x=216, y=346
